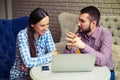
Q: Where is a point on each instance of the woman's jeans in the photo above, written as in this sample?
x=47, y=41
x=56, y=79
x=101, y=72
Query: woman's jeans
x=24, y=78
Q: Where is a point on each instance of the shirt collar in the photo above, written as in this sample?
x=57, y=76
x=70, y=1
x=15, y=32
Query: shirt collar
x=94, y=34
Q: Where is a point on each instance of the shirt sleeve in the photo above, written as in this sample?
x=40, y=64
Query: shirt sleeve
x=23, y=47
x=102, y=56
x=49, y=42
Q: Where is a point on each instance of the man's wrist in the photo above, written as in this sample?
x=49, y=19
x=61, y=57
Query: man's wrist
x=82, y=47
x=66, y=47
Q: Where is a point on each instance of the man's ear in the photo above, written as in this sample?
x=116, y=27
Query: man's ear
x=94, y=23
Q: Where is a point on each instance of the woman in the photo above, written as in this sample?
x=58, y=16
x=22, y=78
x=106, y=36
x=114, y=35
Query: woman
x=34, y=45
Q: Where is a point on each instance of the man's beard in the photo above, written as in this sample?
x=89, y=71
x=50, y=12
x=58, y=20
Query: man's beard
x=85, y=31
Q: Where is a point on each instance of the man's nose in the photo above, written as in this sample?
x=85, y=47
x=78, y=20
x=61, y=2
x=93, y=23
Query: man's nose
x=79, y=23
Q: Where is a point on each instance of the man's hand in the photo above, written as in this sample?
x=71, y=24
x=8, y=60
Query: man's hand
x=74, y=40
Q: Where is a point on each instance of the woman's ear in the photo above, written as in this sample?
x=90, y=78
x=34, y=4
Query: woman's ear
x=32, y=25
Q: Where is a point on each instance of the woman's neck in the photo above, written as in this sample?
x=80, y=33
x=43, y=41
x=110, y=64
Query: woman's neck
x=36, y=36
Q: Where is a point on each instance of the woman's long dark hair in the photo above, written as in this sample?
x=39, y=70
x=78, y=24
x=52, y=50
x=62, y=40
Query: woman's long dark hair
x=36, y=15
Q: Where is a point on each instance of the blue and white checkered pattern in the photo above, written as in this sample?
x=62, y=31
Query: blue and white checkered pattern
x=43, y=44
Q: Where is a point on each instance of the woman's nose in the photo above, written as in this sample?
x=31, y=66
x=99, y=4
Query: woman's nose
x=46, y=27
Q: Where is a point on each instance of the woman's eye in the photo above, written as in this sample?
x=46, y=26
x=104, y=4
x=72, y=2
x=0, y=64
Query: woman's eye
x=42, y=25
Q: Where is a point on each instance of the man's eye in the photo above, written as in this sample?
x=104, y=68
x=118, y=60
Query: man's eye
x=82, y=21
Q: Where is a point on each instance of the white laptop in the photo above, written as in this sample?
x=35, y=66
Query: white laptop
x=73, y=62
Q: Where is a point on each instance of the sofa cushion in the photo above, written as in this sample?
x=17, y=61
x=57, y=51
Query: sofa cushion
x=19, y=24
x=7, y=45
x=112, y=23
x=8, y=32
x=116, y=56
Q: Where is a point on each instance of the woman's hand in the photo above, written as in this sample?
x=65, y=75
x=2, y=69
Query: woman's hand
x=23, y=67
x=54, y=52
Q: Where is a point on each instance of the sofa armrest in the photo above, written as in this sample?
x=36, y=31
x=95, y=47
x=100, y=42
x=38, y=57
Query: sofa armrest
x=116, y=59
x=116, y=56
x=60, y=47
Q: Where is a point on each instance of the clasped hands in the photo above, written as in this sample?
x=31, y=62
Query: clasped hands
x=74, y=40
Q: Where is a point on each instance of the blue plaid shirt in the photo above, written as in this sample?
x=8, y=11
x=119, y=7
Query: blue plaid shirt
x=43, y=43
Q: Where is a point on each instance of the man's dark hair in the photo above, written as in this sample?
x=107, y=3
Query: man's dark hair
x=93, y=12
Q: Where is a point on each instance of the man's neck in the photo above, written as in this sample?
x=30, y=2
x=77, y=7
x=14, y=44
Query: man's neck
x=91, y=32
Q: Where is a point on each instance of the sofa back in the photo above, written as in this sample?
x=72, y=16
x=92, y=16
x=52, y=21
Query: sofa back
x=8, y=33
x=68, y=22
x=112, y=23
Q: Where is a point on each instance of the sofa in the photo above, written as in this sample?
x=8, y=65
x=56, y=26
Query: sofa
x=9, y=29
x=67, y=22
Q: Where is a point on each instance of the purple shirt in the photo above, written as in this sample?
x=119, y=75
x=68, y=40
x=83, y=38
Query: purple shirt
x=100, y=43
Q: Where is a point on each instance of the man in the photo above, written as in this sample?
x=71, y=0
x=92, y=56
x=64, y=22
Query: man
x=92, y=38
